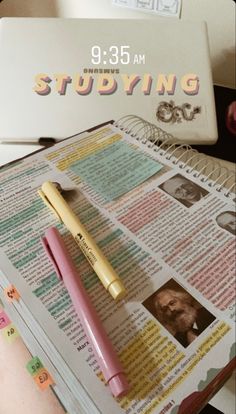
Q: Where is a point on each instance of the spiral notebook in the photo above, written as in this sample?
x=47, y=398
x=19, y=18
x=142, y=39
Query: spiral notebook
x=164, y=216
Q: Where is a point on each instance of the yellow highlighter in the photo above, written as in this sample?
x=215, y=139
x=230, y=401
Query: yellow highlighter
x=109, y=278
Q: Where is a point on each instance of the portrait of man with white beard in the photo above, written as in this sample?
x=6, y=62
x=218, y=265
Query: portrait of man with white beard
x=183, y=190
x=179, y=313
x=227, y=221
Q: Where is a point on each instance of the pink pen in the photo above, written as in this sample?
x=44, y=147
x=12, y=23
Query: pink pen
x=103, y=349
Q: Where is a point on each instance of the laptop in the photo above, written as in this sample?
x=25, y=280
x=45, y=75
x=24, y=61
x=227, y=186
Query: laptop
x=62, y=76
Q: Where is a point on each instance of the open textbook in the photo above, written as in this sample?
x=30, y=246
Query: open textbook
x=169, y=232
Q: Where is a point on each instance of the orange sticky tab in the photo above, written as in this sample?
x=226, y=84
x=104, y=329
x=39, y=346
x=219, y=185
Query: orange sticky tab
x=11, y=293
x=43, y=379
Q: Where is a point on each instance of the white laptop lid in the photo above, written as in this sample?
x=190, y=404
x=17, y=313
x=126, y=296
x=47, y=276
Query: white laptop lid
x=33, y=46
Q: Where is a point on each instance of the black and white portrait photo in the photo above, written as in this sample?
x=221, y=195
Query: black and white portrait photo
x=227, y=221
x=183, y=190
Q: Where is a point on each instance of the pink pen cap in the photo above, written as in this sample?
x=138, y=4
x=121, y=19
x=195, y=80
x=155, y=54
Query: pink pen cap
x=105, y=354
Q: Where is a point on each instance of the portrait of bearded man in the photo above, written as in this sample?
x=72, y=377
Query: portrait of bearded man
x=181, y=315
x=185, y=191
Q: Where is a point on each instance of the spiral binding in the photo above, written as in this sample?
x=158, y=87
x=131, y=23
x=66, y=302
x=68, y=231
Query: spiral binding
x=200, y=165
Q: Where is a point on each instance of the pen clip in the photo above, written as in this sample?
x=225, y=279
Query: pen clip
x=47, y=202
x=51, y=256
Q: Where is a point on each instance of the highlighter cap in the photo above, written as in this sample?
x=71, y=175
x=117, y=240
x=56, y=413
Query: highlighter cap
x=119, y=385
x=117, y=289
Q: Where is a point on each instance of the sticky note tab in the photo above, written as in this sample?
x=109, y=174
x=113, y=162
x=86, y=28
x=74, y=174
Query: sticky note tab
x=4, y=320
x=11, y=293
x=10, y=333
x=34, y=366
x=43, y=379
x=40, y=375
x=116, y=169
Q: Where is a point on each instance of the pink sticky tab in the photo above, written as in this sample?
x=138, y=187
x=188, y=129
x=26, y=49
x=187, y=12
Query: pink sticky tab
x=4, y=320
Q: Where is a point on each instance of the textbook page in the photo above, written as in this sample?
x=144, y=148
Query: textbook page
x=161, y=247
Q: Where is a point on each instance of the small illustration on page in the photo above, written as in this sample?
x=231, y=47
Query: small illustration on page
x=227, y=221
x=183, y=190
x=179, y=312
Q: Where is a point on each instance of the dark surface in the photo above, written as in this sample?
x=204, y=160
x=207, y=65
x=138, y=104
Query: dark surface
x=210, y=410
x=225, y=148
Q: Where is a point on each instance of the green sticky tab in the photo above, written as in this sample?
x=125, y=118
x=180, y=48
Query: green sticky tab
x=34, y=366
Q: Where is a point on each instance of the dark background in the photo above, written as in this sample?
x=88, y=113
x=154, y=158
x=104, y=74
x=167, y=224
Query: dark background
x=225, y=148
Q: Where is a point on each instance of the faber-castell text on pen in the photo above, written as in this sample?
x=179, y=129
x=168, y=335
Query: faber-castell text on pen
x=85, y=248
x=94, y=255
